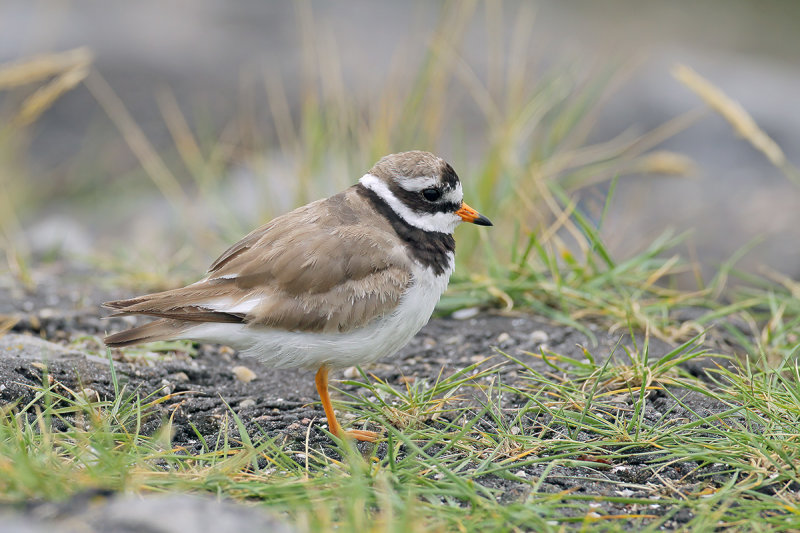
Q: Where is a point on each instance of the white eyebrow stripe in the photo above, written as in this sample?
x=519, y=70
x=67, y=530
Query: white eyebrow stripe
x=419, y=183
x=455, y=195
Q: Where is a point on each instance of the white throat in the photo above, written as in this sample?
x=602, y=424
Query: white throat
x=440, y=222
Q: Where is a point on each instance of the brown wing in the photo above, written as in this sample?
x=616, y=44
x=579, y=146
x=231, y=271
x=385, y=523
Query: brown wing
x=320, y=268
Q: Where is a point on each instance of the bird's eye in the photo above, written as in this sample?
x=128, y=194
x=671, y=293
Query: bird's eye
x=431, y=195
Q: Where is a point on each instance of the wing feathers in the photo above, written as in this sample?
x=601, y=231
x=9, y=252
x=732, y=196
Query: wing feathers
x=349, y=305
x=159, y=330
x=188, y=303
x=313, y=269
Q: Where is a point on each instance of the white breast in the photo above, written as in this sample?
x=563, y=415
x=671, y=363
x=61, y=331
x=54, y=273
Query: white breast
x=380, y=338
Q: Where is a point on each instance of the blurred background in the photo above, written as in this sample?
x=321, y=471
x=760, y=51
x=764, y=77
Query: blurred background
x=144, y=137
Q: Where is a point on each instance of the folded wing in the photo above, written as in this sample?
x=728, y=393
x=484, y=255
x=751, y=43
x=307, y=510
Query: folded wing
x=319, y=268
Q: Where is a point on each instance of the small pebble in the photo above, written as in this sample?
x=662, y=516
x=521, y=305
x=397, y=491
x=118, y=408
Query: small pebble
x=243, y=373
x=539, y=336
x=503, y=338
x=521, y=474
x=351, y=372
x=406, y=379
x=90, y=395
x=180, y=376
x=226, y=353
x=464, y=314
x=515, y=430
x=248, y=402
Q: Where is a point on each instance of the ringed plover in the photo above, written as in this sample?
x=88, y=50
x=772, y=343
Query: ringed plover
x=339, y=282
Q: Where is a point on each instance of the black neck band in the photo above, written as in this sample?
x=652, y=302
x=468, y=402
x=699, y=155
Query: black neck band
x=430, y=248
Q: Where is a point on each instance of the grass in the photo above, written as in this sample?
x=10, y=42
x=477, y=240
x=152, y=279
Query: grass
x=456, y=444
x=452, y=457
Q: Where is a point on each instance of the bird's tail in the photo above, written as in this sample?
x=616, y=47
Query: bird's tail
x=159, y=330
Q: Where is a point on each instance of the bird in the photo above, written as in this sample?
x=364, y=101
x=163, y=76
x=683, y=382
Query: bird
x=339, y=282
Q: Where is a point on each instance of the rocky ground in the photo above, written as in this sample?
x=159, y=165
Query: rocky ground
x=60, y=325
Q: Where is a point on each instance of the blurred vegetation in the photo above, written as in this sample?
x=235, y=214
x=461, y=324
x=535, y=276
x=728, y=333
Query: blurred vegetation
x=535, y=123
x=53, y=75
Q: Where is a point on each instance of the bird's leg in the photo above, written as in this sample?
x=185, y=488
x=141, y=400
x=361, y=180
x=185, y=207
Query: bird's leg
x=333, y=424
x=322, y=388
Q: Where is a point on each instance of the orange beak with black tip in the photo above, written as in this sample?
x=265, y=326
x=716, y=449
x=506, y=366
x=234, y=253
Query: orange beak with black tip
x=468, y=214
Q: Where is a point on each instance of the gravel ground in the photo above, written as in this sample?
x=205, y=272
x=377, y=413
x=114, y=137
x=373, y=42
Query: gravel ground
x=283, y=402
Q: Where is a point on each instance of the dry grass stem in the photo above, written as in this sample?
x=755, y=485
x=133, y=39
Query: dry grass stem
x=67, y=69
x=138, y=142
x=732, y=111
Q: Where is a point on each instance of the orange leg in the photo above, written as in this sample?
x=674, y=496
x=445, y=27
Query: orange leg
x=322, y=388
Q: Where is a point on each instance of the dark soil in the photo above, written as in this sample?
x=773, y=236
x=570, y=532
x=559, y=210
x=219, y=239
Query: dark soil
x=284, y=403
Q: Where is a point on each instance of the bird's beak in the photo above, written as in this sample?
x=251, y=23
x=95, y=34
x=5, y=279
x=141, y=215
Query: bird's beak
x=468, y=214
